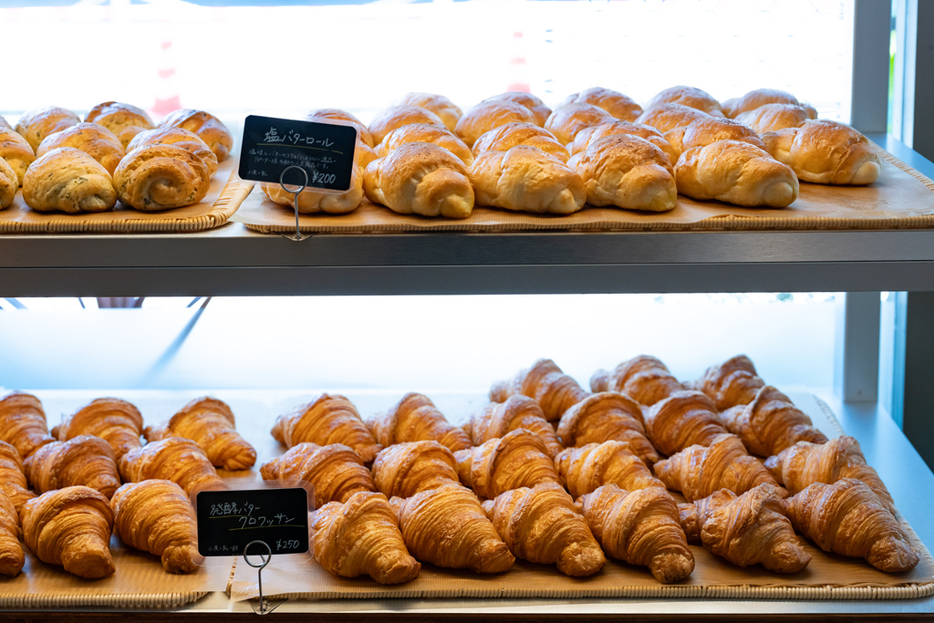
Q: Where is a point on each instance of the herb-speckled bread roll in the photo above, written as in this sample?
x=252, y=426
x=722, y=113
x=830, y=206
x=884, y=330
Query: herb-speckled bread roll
x=124, y=120
x=9, y=184
x=69, y=180
x=180, y=137
x=16, y=151
x=36, y=124
x=205, y=125
x=161, y=177
x=94, y=140
x=446, y=110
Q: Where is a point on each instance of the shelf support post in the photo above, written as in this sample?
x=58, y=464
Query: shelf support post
x=856, y=369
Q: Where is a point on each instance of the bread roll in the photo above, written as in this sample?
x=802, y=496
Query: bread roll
x=5, y=124
x=519, y=133
x=397, y=116
x=703, y=132
x=594, y=133
x=760, y=97
x=566, y=121
x=617, y=104
x=446, y=110
x=205, y=125
x=665, y=117
x=16, y=151
x=532, y=102
x=526, y=179
x=124, y=120
x=36, y=124
x=825, y=152
x=69, y=180
x=180, y=137
x=324, y=114
x=425, y=133
x=773, y=117
x=691, y=97
x=9, y=184
x=312, y=201
x=94, y=140
x=161, y=177
x=488, y=115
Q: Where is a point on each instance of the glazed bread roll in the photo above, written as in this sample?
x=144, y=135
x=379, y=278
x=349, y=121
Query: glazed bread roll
x=446, y=110
x=488, y=115
x=566, y=121
x=161, y=177
x=617, y=104
x=532, y=102
x=703, y=132
x=17, y=152
x=420, y=178
x=773, y=117
x=36, y=124
x=124, y=120
x=425, y=133
x=311, y=201
x=69, y=180
x=397, y=116
x=825, y=152
x=627, y=172
x=757, y=98
x=691, y=97
x=180, y=137
x=519, y=133
x=9, y=184
x=205, y=125
x=526, y=179
x=94, y=140
x=593, y=134
x=736, y=172
x=323, y=115
x=665, y=117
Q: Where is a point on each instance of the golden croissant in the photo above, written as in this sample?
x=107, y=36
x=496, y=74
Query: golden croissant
x=161, y=177
x=846, y=518
x=591, y=466
x=683, y=419
x=116, y=421
x=12, y=557
x=567, y=120
x=328, y=419
x=180, y=460
x=335, y=471
x=617, y=104
x=593, y=134
x=425, y=133
x=640, y=527
x=541, y=525
x=444, y=108
x=155, y=516
x=665, y=117
x=394, y=117
x=499, y=418
x=536, y=106
x=554, y=390
x=774, y=117
x=13, y=476
x=404, y=469
x=607, y=416
x=825, y=152
x=518, y=459
x=699, y=471
x=415, y=418
x=644, y=378
x=687, y=96
x=770, y=423
x=733, y=382
x=703, y=132
x=448, y=528
x=361, y=537
x=746, y=529
x=806, y=463
x=23, y=424
x=488, y=115
x=507, y=136
x=210, y=423
x=342, y=115
x=757, y=98
x=84, y=460
x=71, y=528
x=68, y=180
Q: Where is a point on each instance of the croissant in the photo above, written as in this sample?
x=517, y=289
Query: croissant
x=617, y=104
x=758, y=98
x=210, y=423
x=13, y=477
x=312, y=201
x=584, y=469
x=733, y=382
x=161, y=177
x=71, y=527
x=69, y=180
x=644, y=378
x=205, y=125
x=12, y=557
x=665, y=117
x=499, y=418
x=343, y=115
x=84, y=460
x=180, y=460
x=94, y=140
x=683, y=419
x=541, y=525
x=9, y=184
x=699, y=471
x=155, y=516
x=490, y=114
x=746, y=529
x=526, y=179
x=407, y=468
x=703, y=132
x=534, y=103
x=335, y=471
x=518, y=459
x=124, y=120
x=504, y=137
x=773, y=117
x=554, y=390
x=641, y=528
x=22, y=423
x=825, y=152
x=591, y=135
x=447, y=111
x=326, y=420
x=691, y=97
x=39, y=123
x=846, y=518
x=116, y=421
x=425, y=133
x=17, y=152
x=362, y=537
x=448, y=528
x=770, y=423
x=180, y=137
x=805, y=463
x=607, y=416
x=394, y=117
x=567, y=120
x=415, y=418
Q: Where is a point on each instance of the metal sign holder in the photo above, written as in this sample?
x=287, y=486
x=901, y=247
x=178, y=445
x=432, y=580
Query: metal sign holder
x=265, y=607
x=298, y=232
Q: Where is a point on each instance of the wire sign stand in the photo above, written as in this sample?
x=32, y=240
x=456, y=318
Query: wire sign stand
x=298, y=232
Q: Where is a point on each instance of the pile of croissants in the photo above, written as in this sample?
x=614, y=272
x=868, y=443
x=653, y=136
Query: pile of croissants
x=546, y=472
x=423, y=156
x=64, y=164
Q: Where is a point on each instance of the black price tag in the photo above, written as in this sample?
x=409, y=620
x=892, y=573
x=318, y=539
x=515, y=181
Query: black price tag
x=324, y=150
x=229, y=520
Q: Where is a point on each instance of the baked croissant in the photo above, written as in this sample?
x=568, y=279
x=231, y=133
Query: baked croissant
x=425, y=133
x=683, y=419
x=665, y=117
x=703, y=132
x=733, y=382
x=155, y=516
x=567, y=120
x=518, y=459
x=342, y=115
x=541, y=525
x=644, y=378
x=124, y=120
x=499, y=418
x=770, y=423
x=691, y=97
x=490, y=114
x=9, y=184
x=846, y=518
x=617, y=104
x=36, y=124
x=210, y=423
x=326, y=420
x=805, y=463
x=448, y=528
x=161, y=177
x=773, y=117
x=69, y=180
x=205, y=125
x=607, y=416
x=584, y=469
x=71, y=527
x=590, y=135
x=415, y=418
x=17, y=152
x=94, y=140
x=394, y=117
x=757, y=98
x=12, y=557
x=504, y=137
x=554, y=390
x=335, y=471
x=825, y=152
x=447, y=111
x=180, y=137
x=699, y=471
x=532, y=102
x=407, y=468
x=311, y=201
x=526, y=179
x=746, y=529
x=84, y=460
x=5, y=124
x=116, y=421
x=180, y=460
x=641, y=528
x=361, y=536
x=22, y=423
x=13, y=476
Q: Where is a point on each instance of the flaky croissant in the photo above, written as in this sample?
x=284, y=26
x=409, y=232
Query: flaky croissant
x=526, y=179
x=448, y=528
x=505, y=137
x=691, y=97
x=536, y=106
x=617, y=104
x=35, y=125
x=731, y=383
x=770, y=423
x=71, y=527
x=161, y=177
x=13, y=476
x=407, y=468
x=846, y=518
x=518, y=459
x=746, y=529
x=640, y=527
x=326, y=420
x=607, y=416
x=425, y=133
x=124, y=120
x=180, y=460
x=361, y=536
x=94, y=140
x=69, y=180
x=584, y=469
x=116, y=421
x=499, y=418
x=541, y=525
x=335, y=470
x=180, y=137
x=567, y=120
x=22, y=423
x=683, y=419
x=84, y=460
x=665, y=117
x=644, y=378
x=415, y=418
x=155, y=516
x=12, y=557
x=590, y=135
x=16, y=151
x=554, y=390
x=211, y=130
x=446, y=110
x=825, y=152
x=490, y=114
x=9, y=184
x=210, y=423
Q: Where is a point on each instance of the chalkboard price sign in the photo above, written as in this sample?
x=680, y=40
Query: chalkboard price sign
x=229, y=520
x=324, y=150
